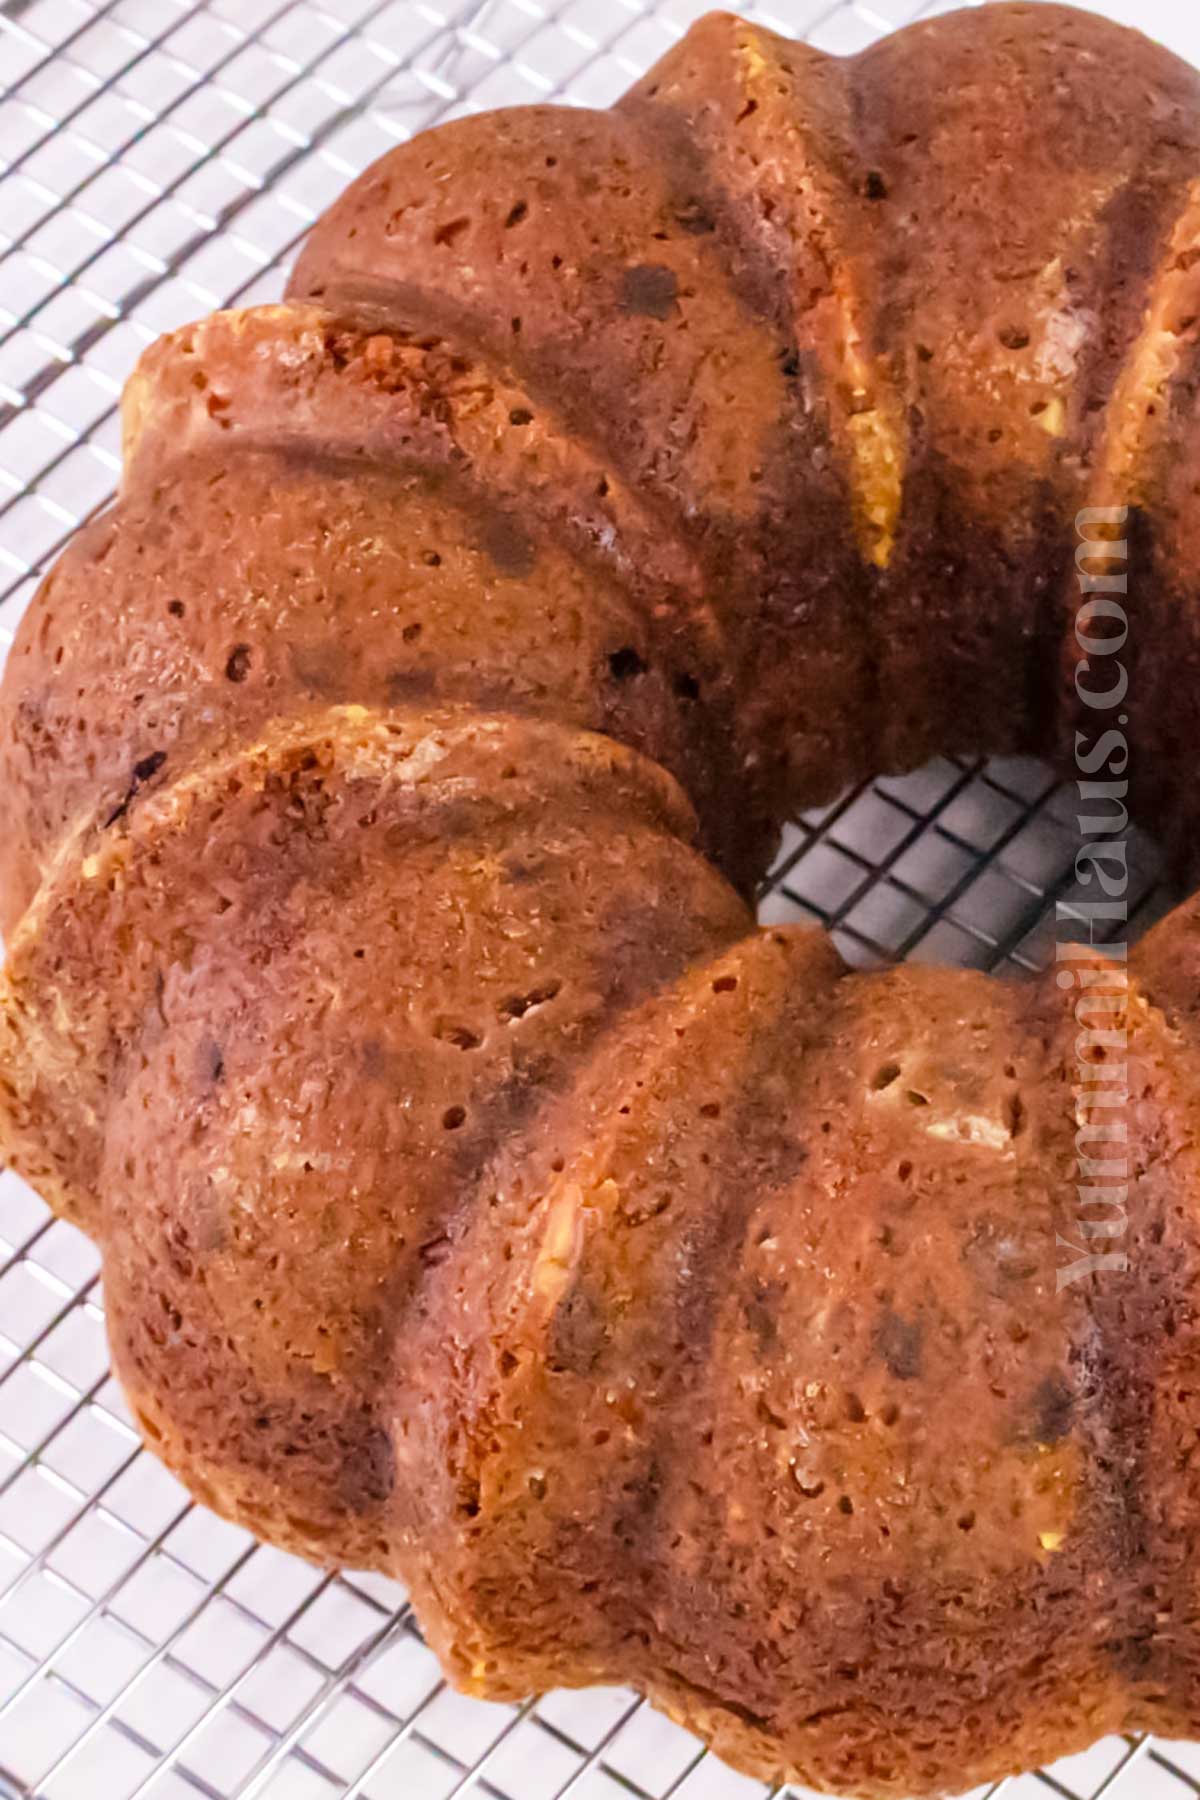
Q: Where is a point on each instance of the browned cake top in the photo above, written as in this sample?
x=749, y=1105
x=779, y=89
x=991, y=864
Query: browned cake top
x=383, y=781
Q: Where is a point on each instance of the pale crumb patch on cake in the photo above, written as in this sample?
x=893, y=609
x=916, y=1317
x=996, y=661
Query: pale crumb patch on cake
x=868, y=415
x=862, y=402
x=1065, y=330
x=1138, y=412
x=561, y=1246
x=1051, y=1482
x=877, y=448
x=973, y=1128
x=921, y=1095
x=169, y=391
x=1053, y=420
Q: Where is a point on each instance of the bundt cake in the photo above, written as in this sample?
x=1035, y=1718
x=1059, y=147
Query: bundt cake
x=384, y=779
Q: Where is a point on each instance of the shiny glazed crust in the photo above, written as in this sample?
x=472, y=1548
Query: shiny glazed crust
x=383, y=779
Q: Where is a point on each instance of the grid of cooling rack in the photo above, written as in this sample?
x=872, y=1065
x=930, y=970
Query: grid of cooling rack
x=159, y=158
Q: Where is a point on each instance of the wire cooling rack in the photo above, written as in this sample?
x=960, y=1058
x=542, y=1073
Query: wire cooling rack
x=157, y=159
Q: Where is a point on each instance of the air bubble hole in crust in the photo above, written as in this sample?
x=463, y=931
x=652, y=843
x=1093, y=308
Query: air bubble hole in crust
x=517, y=1005
x=625, y=664
x=461, y=1036
x=447, y=235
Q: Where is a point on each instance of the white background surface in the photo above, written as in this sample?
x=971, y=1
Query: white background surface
x=159, y=158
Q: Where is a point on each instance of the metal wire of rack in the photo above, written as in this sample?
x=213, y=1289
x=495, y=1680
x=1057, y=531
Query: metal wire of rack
x=159, y=158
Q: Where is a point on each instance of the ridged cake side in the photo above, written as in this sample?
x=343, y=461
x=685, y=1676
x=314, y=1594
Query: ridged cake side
x=382, y=780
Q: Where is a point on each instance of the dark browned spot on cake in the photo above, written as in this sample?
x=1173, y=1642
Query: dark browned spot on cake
x=898, y=1342
x=320, y=668
x=497, y=1115
x=577, y=1336
x=1053, y=1406
x=368, y=1473
x=650, y=290
x=1132, y=1656
x=411, y=684
x=521, y=867
x=761, y=1313
x=640, y=1497
x=509, y=545
x=694, y=218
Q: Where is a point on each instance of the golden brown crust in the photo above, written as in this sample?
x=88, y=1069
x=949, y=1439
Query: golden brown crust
x=483, y=1199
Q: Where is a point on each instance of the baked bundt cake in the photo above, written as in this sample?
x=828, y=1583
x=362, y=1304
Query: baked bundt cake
x=384, y=780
